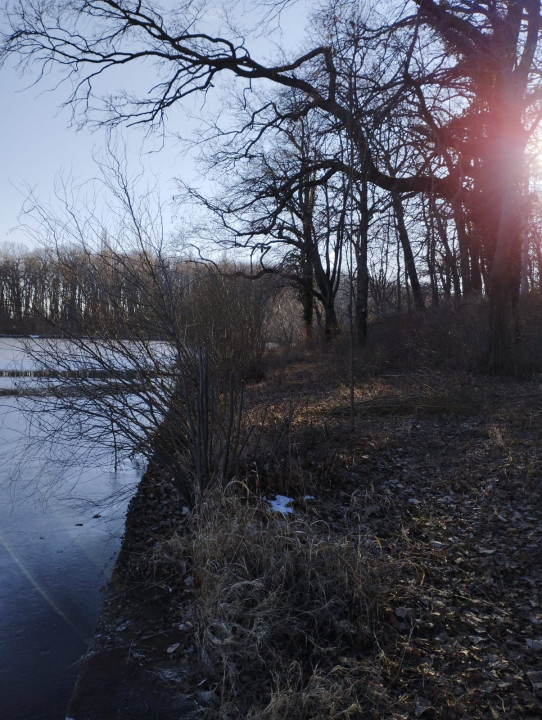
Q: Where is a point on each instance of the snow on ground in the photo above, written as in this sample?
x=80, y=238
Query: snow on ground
x=280, y=504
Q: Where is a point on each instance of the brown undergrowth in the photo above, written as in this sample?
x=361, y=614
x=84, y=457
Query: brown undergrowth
x=381, y=596
x=405, y=584
x=286, y=611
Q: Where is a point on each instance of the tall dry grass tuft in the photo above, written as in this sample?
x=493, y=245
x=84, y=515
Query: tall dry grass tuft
x=286, y=611
x=337, y=693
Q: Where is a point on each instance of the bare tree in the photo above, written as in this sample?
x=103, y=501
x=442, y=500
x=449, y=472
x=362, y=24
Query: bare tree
x=280, y=207
x=464, y=74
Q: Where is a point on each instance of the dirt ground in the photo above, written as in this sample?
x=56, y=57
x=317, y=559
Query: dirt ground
x=440, y=473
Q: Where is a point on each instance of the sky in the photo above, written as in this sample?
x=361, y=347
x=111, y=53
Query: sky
x=38, y=147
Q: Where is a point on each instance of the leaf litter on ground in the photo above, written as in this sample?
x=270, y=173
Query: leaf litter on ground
x=442, y=479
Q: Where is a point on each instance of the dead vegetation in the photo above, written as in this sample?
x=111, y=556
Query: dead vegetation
x=285, y=609
x=407, y=585
x=403, y=588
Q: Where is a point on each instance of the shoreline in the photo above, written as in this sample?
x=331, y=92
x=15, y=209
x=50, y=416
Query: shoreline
x=129, y=671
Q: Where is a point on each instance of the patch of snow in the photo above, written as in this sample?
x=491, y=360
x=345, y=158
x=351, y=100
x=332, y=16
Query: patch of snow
x=280, y=504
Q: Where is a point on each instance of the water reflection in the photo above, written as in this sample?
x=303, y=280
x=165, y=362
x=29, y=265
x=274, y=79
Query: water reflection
x=55, y=554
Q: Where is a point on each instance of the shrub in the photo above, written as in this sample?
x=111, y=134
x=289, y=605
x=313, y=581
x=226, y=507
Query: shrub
x=228, y=315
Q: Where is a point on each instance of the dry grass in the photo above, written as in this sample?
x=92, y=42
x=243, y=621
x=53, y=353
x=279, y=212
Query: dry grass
x=286, y=611
x=365, y=603
x=424, y=400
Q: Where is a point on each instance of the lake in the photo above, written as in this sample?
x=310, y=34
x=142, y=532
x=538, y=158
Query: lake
x=61, y=518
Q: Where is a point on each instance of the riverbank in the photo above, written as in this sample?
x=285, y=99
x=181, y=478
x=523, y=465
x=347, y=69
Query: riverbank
x=129, y=671
x=425, y=493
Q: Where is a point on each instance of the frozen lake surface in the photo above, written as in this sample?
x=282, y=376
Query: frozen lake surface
x=61, y=519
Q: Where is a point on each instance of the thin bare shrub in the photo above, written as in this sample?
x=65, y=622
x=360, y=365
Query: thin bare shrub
x=129, y=373
x=228, y=314
x=202, y=437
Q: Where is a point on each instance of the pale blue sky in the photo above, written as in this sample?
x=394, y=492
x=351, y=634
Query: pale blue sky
x=37, y=144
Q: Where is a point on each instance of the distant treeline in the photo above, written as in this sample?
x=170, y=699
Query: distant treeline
x=144, y=295
x=77, y=291
x=74, y=290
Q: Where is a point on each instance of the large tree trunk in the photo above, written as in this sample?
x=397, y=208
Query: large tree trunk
x=463, y=241
x=307, y=295
x=362, y=295
x=503, y=230
x=327, y=292
x=331, y=324
x=476, y=272
x=503, y=186
x=503, y=331
x=306, y=198
x=451, y=270
x=503, y=291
